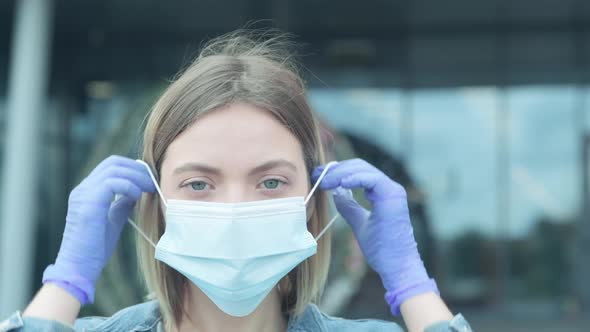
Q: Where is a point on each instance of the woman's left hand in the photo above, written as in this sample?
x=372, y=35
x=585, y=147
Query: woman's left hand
x=385, y=233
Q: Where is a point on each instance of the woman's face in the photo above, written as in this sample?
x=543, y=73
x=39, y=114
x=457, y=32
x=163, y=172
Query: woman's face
x=240, y=153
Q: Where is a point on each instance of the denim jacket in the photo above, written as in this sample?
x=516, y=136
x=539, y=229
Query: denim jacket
x=145, y=317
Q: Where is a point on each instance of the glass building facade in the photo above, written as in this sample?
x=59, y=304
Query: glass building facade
x=482, y=109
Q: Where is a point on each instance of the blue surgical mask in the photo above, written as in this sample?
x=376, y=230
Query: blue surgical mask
x=236, y=252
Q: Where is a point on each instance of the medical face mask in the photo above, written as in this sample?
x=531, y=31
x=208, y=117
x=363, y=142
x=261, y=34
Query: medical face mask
x=236, y=252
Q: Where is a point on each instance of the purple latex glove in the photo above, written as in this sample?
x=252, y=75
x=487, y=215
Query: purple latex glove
x=384, y=234
x=94, y=223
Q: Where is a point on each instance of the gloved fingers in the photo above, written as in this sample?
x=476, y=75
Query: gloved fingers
x=140, y=177
x=377, y=186
x=347, y=164
x=349, y=208
x=107, y=162
x=362, y=180
x=113, y=186
x=120, y=209
x=344, y=169
x=115, y=160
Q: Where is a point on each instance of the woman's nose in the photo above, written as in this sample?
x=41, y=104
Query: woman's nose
x=236, y=194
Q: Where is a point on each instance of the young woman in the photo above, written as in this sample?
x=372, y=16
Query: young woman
x=233, y=188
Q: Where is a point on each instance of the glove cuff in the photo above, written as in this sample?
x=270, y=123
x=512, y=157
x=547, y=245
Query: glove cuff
x=78, y=286
x=396, y=298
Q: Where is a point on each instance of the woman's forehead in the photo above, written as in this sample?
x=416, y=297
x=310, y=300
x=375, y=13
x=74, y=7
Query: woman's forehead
x=238, y=136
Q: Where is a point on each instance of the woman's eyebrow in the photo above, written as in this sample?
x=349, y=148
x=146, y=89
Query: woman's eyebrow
x=188, y=167
x=273, y=164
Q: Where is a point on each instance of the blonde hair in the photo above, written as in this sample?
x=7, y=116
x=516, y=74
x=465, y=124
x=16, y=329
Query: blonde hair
x=248, y=67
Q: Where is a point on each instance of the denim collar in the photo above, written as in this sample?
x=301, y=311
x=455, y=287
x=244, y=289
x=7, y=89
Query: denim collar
x=145, y=317
x=310, y=320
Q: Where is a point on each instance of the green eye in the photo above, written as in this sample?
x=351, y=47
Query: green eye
x=271, y=183
x=198, y=185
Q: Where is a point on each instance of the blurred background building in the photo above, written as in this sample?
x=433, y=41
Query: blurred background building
x=480, y=108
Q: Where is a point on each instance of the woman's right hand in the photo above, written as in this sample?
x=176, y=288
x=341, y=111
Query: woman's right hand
x=94, y=223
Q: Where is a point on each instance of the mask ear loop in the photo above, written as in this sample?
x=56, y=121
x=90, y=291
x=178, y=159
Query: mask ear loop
x=149, y=169
x=313, y=189
x=161, y=196
x=141, y=232
x=317, y=183
x=327, y=226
